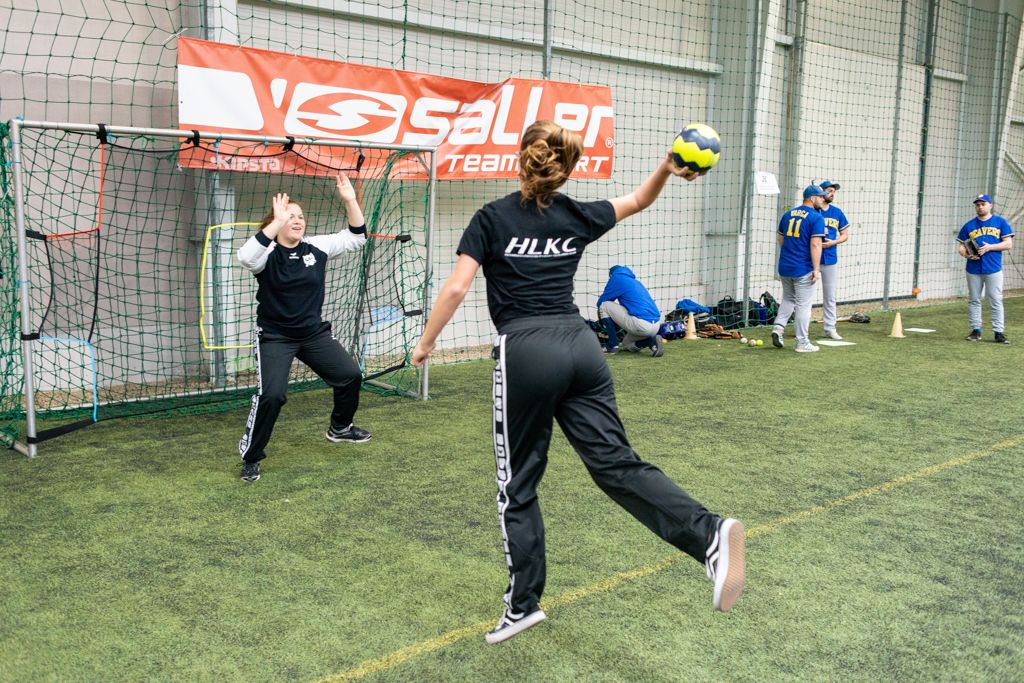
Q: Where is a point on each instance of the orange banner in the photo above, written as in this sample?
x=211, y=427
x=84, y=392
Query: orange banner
x=476, y=126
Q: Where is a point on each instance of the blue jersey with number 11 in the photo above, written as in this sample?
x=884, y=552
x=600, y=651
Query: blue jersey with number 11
x=797, y=227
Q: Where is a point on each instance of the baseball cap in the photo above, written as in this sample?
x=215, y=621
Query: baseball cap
x=825, y=184
x=982, y=198
x=813, y=191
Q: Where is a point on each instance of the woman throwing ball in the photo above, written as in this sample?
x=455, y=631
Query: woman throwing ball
x=549, y=366
x=291, y=270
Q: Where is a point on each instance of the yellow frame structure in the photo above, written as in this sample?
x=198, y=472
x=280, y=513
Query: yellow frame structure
x=202, y=288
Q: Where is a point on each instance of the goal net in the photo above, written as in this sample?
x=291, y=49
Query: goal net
x=136, y=302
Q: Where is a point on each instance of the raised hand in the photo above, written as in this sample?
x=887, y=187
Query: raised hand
x=279, y=204
x=348, y=197
x=345, y=189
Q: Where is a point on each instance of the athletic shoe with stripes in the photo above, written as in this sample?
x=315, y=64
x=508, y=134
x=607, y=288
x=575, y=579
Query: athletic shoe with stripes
x=726, y=565
x=350, y=434
x=777, y=339
x=510, y=624
x=250, y=471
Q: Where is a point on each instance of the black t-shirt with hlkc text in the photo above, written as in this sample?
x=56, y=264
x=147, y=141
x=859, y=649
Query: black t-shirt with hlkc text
x=530, y=255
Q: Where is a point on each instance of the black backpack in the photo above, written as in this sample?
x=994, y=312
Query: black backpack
x=729, y=313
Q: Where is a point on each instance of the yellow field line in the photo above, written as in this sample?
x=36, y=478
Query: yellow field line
x=451, y=637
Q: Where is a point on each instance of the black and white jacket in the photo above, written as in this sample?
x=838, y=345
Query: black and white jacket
x=292, y=280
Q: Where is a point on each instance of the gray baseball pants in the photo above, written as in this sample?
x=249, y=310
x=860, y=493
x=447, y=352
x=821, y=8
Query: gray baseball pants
x=828, y=297
x=797, y=295
x=636, y=329
x=992, y=284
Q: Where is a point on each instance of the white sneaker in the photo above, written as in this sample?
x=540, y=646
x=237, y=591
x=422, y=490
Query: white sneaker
x=509, y=625
x=832, y=334
x=726, y=565
x=806, y=348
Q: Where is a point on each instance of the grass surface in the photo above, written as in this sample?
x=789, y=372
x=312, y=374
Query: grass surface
x=132, y=551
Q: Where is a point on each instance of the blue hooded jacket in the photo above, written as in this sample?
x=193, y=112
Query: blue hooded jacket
x=627, y=290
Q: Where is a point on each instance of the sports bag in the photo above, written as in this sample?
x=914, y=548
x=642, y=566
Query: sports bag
x=729, y=313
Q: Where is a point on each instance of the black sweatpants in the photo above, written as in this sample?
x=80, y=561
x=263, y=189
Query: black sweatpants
x=552, y=368
x=274, y=355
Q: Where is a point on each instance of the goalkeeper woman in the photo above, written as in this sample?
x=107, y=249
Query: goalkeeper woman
x=549, y=366
x=291, y=271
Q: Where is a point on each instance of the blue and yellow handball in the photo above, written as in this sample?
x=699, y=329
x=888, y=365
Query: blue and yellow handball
x=697, y=148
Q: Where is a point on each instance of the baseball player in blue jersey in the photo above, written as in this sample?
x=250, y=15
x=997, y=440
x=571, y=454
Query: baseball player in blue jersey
x=836, y=232
x=801, y=230
x=989, y=235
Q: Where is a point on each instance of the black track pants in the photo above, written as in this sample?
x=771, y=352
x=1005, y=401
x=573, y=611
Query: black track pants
x=552, y=368
x=274, y=355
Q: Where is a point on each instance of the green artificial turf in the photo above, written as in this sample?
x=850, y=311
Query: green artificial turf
x=131, y=550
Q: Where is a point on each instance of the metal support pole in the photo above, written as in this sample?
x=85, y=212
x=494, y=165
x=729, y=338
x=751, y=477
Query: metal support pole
x=747, y=185
x=795, y=85
x=753, y=95
x=761, y=66
x=961, y=124
x=23, y=286
x=220, y=24
x=220, y=210
x=893, y=170
x=1012, y=91
x=922, y=174
x=549, y=14
x=428, y=275
x=996, y=128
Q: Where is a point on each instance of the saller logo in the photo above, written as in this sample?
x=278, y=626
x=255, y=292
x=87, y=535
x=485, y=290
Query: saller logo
x=532, y=247
x=476, y=127
x=327, y=111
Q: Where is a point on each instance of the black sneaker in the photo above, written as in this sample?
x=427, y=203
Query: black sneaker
x=657, y=350
x=250, y=471
x=725, y=564
x=350, y=434
x=975, y=335
x=777, y=340
x=509, y=625
x=1001, y=338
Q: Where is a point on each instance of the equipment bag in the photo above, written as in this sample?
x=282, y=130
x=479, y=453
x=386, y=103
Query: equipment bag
x=729, y=313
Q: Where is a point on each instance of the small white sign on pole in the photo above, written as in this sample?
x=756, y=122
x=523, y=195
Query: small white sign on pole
x=766, y=183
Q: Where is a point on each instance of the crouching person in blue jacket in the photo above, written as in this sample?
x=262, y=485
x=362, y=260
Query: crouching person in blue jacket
x=626, y=302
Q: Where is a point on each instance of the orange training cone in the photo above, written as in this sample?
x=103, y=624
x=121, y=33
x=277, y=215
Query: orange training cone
x=897, y=327
x=691, y=328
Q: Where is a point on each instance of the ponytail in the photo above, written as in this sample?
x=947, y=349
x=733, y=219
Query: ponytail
x=547, y=157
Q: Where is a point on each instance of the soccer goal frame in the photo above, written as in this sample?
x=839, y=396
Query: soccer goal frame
x=425, y=156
